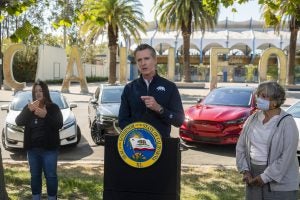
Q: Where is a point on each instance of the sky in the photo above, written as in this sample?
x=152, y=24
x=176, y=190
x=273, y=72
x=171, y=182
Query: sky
x=245, y=11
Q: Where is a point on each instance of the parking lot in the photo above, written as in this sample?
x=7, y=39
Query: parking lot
x=87, y=151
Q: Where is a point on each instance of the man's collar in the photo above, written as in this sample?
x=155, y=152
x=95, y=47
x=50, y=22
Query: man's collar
x=153, y=78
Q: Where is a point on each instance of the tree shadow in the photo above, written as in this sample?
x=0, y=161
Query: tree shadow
x=70, y=152
x=222, y=150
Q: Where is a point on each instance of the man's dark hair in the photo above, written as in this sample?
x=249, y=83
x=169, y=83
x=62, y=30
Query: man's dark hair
x=142, y=47
x=45, y=90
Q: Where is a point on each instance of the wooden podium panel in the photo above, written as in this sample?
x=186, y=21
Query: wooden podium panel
x=160, y=181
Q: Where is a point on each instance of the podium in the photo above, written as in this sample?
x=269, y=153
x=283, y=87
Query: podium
x=160, y=181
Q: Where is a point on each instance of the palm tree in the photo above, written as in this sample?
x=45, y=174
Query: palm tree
x=278, y=14
x=187, y=16
x=112, y=16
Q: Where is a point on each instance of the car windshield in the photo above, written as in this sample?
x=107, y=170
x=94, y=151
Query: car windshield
x=229, y=97
x=23, y=98
x=111, y=95
x=294, y=110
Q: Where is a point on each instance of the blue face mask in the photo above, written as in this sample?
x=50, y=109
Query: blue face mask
x=262, y=104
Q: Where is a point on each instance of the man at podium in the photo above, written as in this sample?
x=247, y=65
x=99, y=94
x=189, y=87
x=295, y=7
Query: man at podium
x=150, y=98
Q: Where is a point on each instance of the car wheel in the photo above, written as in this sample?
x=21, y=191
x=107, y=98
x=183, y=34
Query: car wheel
x=3, y=140
x=78, y=138
x=78, y=135
x=97, y=134
x=186, y=142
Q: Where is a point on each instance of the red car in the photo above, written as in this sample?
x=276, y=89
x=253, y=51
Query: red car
x=219, y=117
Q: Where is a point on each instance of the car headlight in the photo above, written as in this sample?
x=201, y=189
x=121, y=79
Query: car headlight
x=102, y=118
x=236, y=121
x=68, y=123
x=15, y=127
x=188, y=121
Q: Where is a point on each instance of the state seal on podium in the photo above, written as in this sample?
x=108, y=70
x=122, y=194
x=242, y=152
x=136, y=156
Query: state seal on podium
x=139, y=145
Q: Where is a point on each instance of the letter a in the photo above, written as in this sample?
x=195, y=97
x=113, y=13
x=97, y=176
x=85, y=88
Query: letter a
x=75, y=58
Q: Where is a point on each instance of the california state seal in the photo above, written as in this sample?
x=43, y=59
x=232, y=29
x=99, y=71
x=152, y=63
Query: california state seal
x=139, y=145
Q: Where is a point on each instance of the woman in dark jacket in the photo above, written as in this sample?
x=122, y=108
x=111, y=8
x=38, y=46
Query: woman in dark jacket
x=42, y=120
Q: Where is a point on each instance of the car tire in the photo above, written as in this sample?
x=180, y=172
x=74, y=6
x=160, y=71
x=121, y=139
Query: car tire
x=89, y=122
x=97, y=134
x=189, y=143
x=78, y=138
x=3, y=140
x=78, y=135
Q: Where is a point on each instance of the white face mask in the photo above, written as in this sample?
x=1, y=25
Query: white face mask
x=262, y=104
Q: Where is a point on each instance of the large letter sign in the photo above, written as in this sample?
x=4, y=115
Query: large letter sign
x=74, y=58
x=214, y=63
x=9, y=80
x=282, y=64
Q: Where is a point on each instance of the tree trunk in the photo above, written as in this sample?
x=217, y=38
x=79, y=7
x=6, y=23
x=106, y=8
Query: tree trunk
x=186, y=57
x=113, y=48
x=112, y=64
x=3, y=193
x=292, y=52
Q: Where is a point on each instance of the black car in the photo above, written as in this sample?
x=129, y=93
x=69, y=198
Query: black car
x=103, y=110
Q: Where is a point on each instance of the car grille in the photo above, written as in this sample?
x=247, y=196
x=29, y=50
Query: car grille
x=221, y=139
x=207, y=126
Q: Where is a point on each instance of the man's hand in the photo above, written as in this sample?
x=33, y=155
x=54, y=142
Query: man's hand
x=151, y=103
x=247, y=177
x=257, y=181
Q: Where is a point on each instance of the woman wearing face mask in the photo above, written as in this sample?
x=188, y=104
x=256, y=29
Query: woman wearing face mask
x=267, y=147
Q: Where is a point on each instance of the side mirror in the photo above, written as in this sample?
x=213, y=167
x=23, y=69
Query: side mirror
x=73, y=105
x=5, y=107
x=94, y=101
x=199, y=100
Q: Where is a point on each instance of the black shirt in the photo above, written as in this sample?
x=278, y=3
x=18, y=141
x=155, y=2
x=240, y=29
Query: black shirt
x=37, y=127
